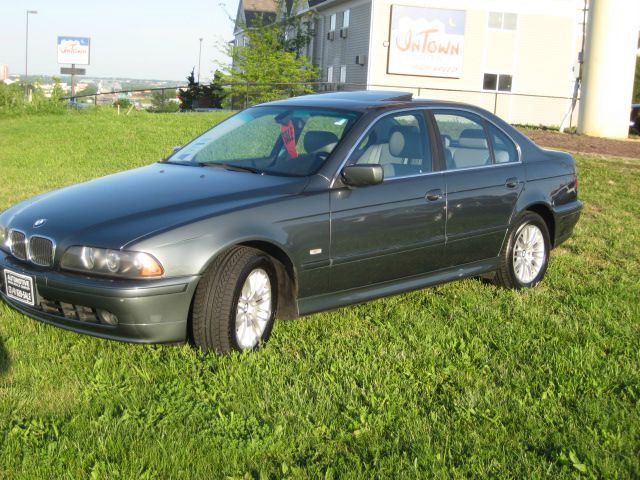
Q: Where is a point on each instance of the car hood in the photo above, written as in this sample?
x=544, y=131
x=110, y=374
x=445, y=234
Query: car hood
x=116, y=210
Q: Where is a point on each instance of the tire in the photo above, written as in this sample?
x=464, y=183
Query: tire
x=221, y=306
x=525, y=256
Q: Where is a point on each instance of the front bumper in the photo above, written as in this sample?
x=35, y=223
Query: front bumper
x=148, y=311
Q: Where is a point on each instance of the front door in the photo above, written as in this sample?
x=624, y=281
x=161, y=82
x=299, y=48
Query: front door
x=395, y=229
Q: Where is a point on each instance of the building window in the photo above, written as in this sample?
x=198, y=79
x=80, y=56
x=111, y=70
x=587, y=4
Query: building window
x=332, y=22
x=329, y=74
x=503, y=20
x=343, y=74
x=497, y=82
x=345, y=18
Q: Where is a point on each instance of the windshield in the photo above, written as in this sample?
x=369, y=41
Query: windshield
x=271, y=140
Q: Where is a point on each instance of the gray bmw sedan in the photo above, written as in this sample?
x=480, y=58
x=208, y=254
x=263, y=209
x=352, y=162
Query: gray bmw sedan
x=286, y=209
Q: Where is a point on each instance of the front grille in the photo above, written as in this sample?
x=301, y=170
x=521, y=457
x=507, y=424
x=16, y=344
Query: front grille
x=18, y=244
x=41, y=251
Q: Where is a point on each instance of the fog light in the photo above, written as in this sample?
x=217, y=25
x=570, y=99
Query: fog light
x=107, y=317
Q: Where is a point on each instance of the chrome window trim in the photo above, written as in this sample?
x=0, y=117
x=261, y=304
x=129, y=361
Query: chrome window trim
x=53, y=250
x=429, y=109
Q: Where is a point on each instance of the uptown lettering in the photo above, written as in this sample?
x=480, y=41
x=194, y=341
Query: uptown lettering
x=419, y=42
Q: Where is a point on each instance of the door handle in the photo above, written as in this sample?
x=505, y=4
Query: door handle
x=511, y=182
x=433, y=195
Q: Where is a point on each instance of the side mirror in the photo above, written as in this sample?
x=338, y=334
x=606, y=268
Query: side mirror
x=362, y=175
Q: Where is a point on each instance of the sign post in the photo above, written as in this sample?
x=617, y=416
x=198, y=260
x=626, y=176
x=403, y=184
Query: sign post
x=74, y=51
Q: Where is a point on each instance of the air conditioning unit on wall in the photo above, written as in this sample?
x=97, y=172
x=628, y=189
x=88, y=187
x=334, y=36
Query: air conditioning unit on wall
x=344, y=32
x=361, y=59
x=331, y=35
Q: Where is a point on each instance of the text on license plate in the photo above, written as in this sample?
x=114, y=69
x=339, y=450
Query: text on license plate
x=19, y=287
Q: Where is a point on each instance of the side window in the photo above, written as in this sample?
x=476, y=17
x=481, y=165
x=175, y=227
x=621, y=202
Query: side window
x=464, y=140
x=399, y=143
x=504, y=150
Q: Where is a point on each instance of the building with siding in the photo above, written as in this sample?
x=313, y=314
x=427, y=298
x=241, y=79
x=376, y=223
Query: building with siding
x=515, y=57
x=252, y=13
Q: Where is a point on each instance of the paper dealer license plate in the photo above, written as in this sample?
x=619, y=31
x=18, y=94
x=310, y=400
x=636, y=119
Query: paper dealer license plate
x=19, y=287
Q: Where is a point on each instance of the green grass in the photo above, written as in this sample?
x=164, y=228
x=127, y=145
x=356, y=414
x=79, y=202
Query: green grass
x=462, y=380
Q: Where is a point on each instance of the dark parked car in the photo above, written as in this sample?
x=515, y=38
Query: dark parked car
x=634, y=120
x=286, y=209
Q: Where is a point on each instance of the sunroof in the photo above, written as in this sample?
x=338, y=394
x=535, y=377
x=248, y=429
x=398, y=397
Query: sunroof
x=373, y=96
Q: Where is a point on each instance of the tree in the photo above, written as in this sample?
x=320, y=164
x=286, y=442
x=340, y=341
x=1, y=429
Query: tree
x=272, y=66
x=122, y=103
x=164, y=101
x=294, y=30
x=216, y=90
x=90, y=89
x=197, y=95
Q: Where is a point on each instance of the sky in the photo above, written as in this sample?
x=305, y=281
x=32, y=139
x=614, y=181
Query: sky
x=143, y=39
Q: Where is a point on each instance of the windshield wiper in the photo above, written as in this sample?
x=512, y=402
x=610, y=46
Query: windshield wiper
x=236, y=168
x=185, y=163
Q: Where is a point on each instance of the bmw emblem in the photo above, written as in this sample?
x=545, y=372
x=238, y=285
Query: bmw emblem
x=38, y=223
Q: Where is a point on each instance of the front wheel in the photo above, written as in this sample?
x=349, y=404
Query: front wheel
x=235, y=303
x=524, y=258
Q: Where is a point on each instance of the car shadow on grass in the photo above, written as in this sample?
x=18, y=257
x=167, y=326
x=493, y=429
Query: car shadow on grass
x=4, y=358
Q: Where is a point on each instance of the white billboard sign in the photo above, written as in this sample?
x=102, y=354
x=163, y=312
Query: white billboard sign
x=73, y=50
x=426, y=41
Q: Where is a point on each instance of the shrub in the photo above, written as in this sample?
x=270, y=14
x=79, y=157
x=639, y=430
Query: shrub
x=14, y=101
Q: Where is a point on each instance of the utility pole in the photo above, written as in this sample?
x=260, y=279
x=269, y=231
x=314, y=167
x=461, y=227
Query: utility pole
x=26, y=55
x=609, y=62
x=199, y=58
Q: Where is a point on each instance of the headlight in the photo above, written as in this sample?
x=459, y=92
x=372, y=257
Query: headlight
x=4, y=238
x=117, y=263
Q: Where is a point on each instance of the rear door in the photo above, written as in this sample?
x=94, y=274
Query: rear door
x=483, y=179
x=394, y=229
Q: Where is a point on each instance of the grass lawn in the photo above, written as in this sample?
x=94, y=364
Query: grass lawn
x=463, y=380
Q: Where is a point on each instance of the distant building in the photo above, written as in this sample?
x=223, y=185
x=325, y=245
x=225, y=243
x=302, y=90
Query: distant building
x=4, y=72
x=506, y=56
x=252, y=13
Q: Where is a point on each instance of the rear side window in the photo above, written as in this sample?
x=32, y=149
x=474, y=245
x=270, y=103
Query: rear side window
x=504, y=149
x=464, y=141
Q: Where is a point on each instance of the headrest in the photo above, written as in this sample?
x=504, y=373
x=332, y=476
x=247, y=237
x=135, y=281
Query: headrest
x=405, y=142
x=446, y=140
x=472, y=138
x=314, y=140
x=384, y=128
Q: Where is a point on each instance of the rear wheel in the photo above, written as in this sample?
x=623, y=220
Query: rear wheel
x=524, y=258
x=235, y=303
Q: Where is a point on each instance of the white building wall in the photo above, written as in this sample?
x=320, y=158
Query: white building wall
x=540, y=55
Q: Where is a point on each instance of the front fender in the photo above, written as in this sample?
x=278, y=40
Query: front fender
x=297, y=226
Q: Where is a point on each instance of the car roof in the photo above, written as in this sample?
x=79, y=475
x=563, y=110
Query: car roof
x=358, y=100
x=363, y=100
